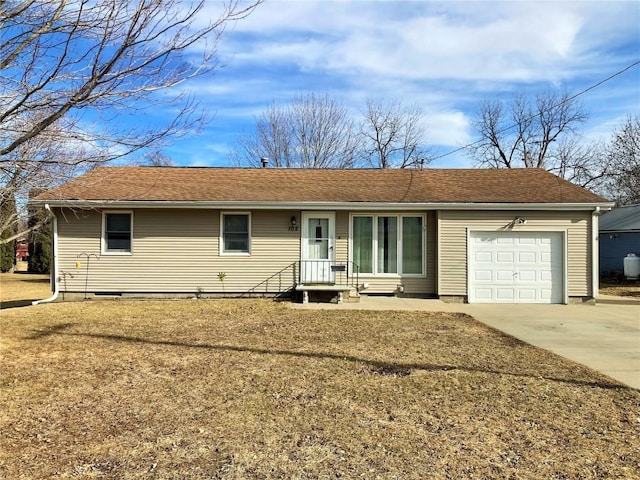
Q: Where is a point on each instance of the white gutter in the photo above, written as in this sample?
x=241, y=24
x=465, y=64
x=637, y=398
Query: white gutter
x=595, y=253
x=350, y=206
x=54, y=253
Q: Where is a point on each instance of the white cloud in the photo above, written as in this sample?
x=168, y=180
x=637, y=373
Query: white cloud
x=448, y=128
x=517, y=41
x=443, y=56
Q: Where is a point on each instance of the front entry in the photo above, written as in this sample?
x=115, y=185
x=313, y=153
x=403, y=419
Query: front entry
x=318, y=241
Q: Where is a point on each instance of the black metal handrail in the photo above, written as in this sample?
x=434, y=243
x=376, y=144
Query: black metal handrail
x=322, y=272
x=277, y=277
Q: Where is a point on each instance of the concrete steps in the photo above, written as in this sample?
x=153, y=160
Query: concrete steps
x=329, y=293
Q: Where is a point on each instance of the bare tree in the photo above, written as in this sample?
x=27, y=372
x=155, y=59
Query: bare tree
x=313, y=132
x=43, y=161
x=581, y=162
x=393, y=136
x=537, y=132
x=623, y=153
x=325, y=132
x=272, y=138
x=73, y=70
x=156, y=158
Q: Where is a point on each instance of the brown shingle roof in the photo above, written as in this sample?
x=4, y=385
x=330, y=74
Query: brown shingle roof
x=303, y=185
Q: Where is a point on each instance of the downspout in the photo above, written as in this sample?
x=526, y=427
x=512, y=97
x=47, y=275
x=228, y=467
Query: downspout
x=595, y=254
x=54, y=253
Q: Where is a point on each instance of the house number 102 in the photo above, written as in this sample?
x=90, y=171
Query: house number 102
x=293, y=228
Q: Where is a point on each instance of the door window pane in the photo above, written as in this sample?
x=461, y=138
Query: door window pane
x=412, y=245
x=387, y=245
x=318, y=242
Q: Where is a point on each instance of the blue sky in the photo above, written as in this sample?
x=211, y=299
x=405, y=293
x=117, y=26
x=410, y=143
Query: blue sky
x=445, y=57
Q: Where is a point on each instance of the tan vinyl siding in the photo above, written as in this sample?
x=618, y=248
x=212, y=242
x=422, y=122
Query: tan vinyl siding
x=342, y=236
x=420, y=286
x=452, y=232
x=175, y=251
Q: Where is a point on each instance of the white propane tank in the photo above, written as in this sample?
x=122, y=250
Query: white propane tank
x=632, y=266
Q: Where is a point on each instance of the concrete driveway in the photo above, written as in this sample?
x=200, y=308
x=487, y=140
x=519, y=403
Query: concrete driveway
x=604, y=337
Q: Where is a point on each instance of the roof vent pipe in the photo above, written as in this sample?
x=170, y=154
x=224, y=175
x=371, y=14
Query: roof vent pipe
x=265, y=162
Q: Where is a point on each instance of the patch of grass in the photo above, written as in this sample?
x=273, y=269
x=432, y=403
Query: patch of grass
x=621, y=290
x=255, y=389
x=23, y=287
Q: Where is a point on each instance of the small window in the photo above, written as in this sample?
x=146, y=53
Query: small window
x=117, y=232
x=235, y=233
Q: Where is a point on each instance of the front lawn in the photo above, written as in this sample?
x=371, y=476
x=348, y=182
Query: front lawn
x=23, y=288
x=255, y=389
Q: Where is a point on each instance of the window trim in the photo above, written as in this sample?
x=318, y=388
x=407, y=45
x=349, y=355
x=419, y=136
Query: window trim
x=400, y=226
x=221, y=250
x=103, y=236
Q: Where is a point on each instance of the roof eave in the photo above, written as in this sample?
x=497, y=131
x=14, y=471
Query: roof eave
x=351, y=206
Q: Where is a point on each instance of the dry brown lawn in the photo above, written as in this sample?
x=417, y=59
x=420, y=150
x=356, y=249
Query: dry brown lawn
x=257, y=390
x=23, y=288
x=622, y=290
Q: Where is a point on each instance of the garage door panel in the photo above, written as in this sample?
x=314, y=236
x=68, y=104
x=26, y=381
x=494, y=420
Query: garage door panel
x=547, y=294
x=527, y=257
x=505, y=294
x=503, y=241
x=484, y=294
x=547, y=276
x=527, y=295
x=486, y=257
x=483, y=275
x=527, y=275
x=505, y=275
x=516, y=267
x=484, y=239
x=545, y=258
x=504, y=257
x=526, y=240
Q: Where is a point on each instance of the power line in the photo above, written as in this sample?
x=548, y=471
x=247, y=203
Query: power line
x=566, y=100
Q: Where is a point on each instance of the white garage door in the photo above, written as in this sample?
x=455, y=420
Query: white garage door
x=516, y=267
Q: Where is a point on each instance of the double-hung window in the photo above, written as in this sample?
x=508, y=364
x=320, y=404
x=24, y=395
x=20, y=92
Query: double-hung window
x=236, y=233
x=117, y=232
x=388, y=244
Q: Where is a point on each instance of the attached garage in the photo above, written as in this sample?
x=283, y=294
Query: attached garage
x=516, y=267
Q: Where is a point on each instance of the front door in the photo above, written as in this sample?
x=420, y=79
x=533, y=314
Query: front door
x=318, y=240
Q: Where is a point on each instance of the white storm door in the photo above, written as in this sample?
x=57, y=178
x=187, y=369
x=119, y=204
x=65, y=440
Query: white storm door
x=516, y=267
x=318, y=242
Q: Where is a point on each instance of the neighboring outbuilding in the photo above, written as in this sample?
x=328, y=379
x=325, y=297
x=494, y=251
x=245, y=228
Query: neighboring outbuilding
x=476, y=235
x=619, y=236
x=22, y=255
